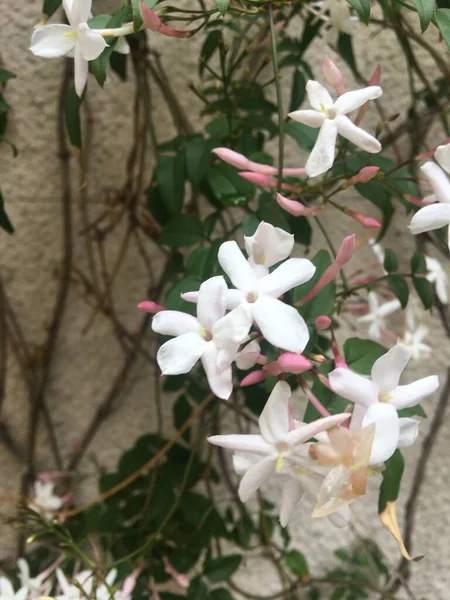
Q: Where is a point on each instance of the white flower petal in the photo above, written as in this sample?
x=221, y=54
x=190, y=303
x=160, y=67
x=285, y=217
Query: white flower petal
x=174, y=322
x=242, y=443
x=387, y=431
x=438, y=180
x=81, y=67
x=79, y=11
x=388, y=308
x=246, y=358
x=91, y=44
x=236, y=266
x=350, y=101
x=243, y=462
x=6, y=588
x=405, y=396
x=211, y=303
x=53, y=41
x=274, y=419
x=356, y=135
x=269, y=245
x=386, y=371
x=442, y=155
x=219, y=378
x=352, y=386
x=233, y=328
x=318, y=96
x=290, y=496
x=179, y=355
x=312, y=118
x=288, y=275
x=309, y=430
x=122, y=46
x=255, y=477
x=322, y=156
x=281, y=324
x=409, y=430
x=430, y=217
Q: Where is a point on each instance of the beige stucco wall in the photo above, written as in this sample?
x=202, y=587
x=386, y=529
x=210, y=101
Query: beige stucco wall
x=85, y=362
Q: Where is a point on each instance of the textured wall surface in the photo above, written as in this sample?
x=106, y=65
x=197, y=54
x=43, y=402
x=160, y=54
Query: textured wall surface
x=87, y=356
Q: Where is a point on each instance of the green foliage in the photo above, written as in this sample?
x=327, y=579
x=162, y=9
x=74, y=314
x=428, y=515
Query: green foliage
x=424, y=290
x=443, y=22
x=361, y=354
x=390, y=263
x=50, y=7
x=425, y=10
x=392, y=477
x=221, y=568
x=5, y=222
x=398, y=285
x=362, y=7
x=73, y=118
x=297, y=563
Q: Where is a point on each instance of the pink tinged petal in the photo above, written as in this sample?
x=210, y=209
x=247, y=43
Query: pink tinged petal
x=405, y=396
x=91, y=44
x=329, y=499
x=305, y=432
x=333, y=75
x=53, y=41
x=274, y=419
x=242, y=443
x=318, y=96
x=154, y=23
x=190, y=297
x=430, y=217
x=288, y=275
x=233, y=328
x=409, y=430
x=179, y=355
x=387, y=370
x=281, y=324
x=352, y=386
x=312, y=118
x=220, y=379
x=346, y=250
x=80, y=11
x=442, y=155
x=439, y=181
x=255, y=477
x=297, y=209
x=269, y=245
x=387, y=431
x=358, y=413
x=81, y=67
x=356, y=135
x=248, y=356
x=290, y=496
x=211, y=303
x=174, y=322
x=322, y=156
x=350, y=101
x=236, y=266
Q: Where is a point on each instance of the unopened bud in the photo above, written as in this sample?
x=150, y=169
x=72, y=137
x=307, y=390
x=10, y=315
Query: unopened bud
x=293, y=363
x=252, y=378
x=322, y=322
x=365, y=175
x=346, y=250
x=297, y=209
x=368, y=222
x=333, y=75
x=232, y=158
x=150, y=307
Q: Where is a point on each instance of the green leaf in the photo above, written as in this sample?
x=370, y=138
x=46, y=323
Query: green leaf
x=72, y=114
x=210, y=45
x=361, y=354
x=362, y=7
x=173, y=301
x=345, y=48
x=425, y=291
x=418, y=263
x=298, y=90
x=443, y=22
x=118, y=64
x=198, y=159
x=221, y=594
x=222, y=6
x=170, y=175
x=412, y=411
x=50, y=7
x=197, y=590
x=5, y=223
x=297, y=563
x=398, y=285
x=182, y=230
x=392, y=477
x=250, y=224
x=425, y=9
x=6, y=75
x=305, y=136
x=390, y=262
x=222, y=567
x=181, y=412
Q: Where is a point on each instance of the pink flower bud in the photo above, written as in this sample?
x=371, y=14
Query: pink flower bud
x=181, y=578
x=155, y=593
x=416, y=201
x=265, y=181
x=374, y=80
x=150, y=307
x=253, y=377
x=368, y=222
x=333, y=75
x=154, y=23
x=365, y=175
x=232, y=158
x=322, y=322
x=273, y=368
x=297, y=209
x=346, y=250
x=293, y=363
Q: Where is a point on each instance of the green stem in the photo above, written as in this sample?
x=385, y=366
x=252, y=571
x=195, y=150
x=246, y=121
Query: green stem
x=279, y=98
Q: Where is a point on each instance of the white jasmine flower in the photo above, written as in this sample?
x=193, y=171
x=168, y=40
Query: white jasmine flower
x=378, y=399
x=250, y=356
x=436, y=215
x=75, y=39
x=268, y=246
x=45, y=501
x=339, y=19
x=212, y=337
x=377, y=315
x=277, y=449
x=378, y=250
x=330, y=117
x=32, y=584
x=7, y=591
x=414, y=336
x=437, y=275
x=85, y=581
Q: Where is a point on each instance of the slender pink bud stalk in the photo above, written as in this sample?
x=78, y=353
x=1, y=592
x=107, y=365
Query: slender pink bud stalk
x=130, y=582
x=322, y=322
x=155, y=593
x=181, y=578
x=315, y=401
x=346, y=250
x=374, y=80
x=150, y=307
x=416, y=201
x=293, y=363
x=253, y=377
x=266, y=181
x=333, y=75
x=272, y=368
x=430, y=153
x=368, y=222
x=365, y=175
x=339, y=360
x=297, y=209
x=154, y=23
x=242, y=162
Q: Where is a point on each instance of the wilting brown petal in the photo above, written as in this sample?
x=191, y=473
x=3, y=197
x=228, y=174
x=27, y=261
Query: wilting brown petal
x=324, y=454
x=389, y=519
x=342, y=443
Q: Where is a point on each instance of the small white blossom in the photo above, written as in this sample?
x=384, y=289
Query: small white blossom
x=339, y=19
x=414, y=336
x=45, y=501
x=7, y=591
x=376, y=317
x=437, y=275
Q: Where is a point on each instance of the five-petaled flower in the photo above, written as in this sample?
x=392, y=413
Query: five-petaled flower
x=331, y=118
x=45, y=501
x=377, y=314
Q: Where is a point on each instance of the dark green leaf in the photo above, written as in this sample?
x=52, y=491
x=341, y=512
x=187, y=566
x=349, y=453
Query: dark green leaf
x=392, y=477
x=182, y=230
x=210, y=45
x=323, y=302
x=398, y=285
x=198, y=159
x=170, y=174
x=345, y=47
x=443, y=21
x=390, y=262
x=181, y=412
x=221, y=593
x=425, y=9
x=304, y=136
x=5, y=223
x=50, y=7
x=198, y=590
x=297, y=563
x=361, y=354
x=173, y=301
x=362, y=7
x=298, y=90
x=6, y=75
x=118, y=64
x=250, y=224
x=413, y=411
x=73, y=120
x=418, y=263
x=156, y=205
x=222, y=567
x=222, y=6
x=425, y=291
